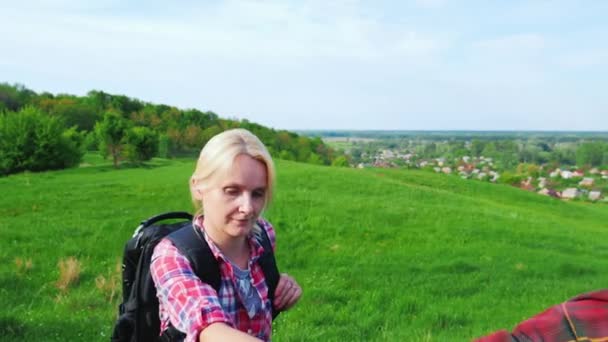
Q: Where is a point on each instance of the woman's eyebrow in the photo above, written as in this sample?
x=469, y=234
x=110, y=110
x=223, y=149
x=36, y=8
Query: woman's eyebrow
x=240, y=186
x=232, y=186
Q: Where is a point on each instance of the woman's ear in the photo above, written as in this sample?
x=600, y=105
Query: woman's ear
x=195, y=188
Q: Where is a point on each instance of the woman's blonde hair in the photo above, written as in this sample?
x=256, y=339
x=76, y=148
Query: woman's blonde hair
x=218, y=155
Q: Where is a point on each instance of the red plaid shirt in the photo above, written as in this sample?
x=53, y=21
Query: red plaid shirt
x=191, y=305
x=583, y=318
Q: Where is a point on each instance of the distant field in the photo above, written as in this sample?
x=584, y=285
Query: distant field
x=346, y=139
x=450, y=134
x=382, y=255
x=345, y=143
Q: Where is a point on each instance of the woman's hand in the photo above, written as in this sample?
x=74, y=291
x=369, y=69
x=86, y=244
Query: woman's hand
x=287, y=293
x=220, y=331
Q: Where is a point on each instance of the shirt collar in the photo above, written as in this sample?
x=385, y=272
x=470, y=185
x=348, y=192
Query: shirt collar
x=253, y=240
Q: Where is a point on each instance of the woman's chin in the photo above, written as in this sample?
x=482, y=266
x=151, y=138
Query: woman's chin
x=238, y=229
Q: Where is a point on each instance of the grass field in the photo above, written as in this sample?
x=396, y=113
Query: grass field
x=382, y=255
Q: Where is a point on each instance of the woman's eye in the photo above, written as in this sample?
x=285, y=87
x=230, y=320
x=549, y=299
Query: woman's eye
x=258, y=194
x=231, y=191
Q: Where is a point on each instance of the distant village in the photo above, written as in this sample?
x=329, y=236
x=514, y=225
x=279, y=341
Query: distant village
x=563, y=183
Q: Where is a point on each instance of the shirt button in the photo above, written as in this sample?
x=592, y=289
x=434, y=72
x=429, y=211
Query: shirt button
x=250, y=332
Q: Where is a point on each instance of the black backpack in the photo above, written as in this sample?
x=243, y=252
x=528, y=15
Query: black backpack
x=138, y=313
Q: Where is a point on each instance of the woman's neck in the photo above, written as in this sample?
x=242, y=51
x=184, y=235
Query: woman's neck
x=235, y=249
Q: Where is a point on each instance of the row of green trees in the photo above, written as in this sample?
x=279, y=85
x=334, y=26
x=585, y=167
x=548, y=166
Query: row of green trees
x=508, y=153
x=46, y=131
x=511, y=153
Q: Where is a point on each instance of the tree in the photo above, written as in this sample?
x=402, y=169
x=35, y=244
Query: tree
x=141, y=144
x=430, y=149
x=98, y=99
x=324, y=152
x=72, y=147
x=111, y=131
x=565, y=155
x=341, y=161
x=526, y=169
x=31, y=140
x=72, y=110
x=176, y=139
x=171, y=117
x=477, y=147
x=286, y=155
x=314, y=159
x=163, y=146
x=591, y=153
x=193, y=136
x=14, y=97
x=457, y=149
x=198, y=118
x=489, y=150
x=507, y=154
x=356, y=153
x=283, y=140
x=303, y=148
x=124, y=104
x=91, y=141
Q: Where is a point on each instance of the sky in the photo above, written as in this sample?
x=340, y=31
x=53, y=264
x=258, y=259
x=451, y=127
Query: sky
x=398, y=65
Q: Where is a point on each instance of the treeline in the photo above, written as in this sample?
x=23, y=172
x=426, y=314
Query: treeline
x=510, y=153
x=442, y=136
x=507, y=153
x=46, y=131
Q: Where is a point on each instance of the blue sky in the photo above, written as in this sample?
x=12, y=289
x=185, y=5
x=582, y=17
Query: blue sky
x=412, y=64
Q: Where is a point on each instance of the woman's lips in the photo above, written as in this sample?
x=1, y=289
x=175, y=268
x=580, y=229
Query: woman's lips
x=242, y=221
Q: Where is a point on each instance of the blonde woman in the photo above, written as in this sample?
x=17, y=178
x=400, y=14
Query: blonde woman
x=230, y=187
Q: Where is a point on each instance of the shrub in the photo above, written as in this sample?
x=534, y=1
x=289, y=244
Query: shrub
x=527, y=169
x=341, y=161
x=286, y=155
x=141, y=144
x=314, y=159
x=91, y=141
x=31, y=140
x=511, y=178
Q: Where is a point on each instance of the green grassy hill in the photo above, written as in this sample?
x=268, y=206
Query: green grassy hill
x=382, y=255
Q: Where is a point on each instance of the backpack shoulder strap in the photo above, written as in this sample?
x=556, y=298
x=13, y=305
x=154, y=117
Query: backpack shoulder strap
x=270, y=269
x=194, y=247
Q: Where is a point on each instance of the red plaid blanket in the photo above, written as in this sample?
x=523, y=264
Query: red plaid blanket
x=581, y=319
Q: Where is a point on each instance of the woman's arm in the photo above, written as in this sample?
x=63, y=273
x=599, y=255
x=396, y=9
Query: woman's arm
x=287, y=294
x=190, y=304
x=223, y=332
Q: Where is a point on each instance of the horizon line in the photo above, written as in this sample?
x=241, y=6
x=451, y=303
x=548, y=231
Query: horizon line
x=448, y=130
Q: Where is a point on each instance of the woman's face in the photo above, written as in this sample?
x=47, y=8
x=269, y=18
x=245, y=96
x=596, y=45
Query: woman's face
x=233, y=201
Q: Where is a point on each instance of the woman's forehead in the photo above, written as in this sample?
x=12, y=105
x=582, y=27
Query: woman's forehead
x=244, y=171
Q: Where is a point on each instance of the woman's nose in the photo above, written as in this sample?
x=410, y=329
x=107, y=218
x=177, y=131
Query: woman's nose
x=246, y=205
